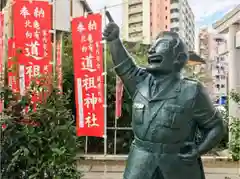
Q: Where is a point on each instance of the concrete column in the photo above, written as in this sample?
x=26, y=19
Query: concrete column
x=233, y=71
x=146, y=22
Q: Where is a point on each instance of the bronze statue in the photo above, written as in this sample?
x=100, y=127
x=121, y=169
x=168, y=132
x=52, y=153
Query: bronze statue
x=167, y=111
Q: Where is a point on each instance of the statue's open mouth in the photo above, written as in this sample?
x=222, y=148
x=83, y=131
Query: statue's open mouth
x=155, y=59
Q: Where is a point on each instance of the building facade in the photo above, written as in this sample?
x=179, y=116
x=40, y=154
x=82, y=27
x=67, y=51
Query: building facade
x=183, y=21
x=219, y=69
x=144, y=19
x=230, y=25
x=216, y=64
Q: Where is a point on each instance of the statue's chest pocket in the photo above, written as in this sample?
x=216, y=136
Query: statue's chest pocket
x=138, y=113
x=173, y=116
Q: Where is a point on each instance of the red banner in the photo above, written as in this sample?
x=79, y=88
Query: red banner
x=32, y=31
x=119, y=95
x=1, y=57
x=88, y=75
x=59, y=65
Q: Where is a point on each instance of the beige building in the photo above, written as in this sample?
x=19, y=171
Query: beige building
x=230, y=26
x=216, y=63
x=144, y=19
x=183, y=21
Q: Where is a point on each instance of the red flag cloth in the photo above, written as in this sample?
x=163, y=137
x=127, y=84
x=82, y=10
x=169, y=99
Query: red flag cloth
x=88, y=75
x=32, y=23
x=119, y=97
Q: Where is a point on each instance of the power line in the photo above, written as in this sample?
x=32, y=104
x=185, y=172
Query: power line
x=112, y=6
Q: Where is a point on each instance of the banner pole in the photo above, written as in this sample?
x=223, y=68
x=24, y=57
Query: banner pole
x=105, y=87
x=54, y=39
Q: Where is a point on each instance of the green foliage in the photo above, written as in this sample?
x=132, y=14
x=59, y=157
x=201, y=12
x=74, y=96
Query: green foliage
x=40, y=144
x=190, y=72
x=67, y=69
x=235, y=130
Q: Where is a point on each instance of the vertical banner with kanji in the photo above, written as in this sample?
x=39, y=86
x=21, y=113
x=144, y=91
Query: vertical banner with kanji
x=119, y=95
x=32, y=23
x=1, y=57
x=88, y=75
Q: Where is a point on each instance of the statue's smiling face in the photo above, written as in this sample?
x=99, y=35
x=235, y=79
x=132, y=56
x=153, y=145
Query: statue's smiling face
x=160, y=54
x=158, y=48
x=167, y=54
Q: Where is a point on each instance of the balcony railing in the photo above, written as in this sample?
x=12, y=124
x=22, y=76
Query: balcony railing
x=135, y=29
x=134, y=2
x=135, y=10
x=135, y=19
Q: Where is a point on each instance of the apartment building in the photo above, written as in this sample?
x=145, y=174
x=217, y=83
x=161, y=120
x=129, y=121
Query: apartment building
x=216, y=66
x=183, y=21
x=144, y=19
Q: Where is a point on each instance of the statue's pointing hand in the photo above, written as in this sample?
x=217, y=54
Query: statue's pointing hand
x=111, y=31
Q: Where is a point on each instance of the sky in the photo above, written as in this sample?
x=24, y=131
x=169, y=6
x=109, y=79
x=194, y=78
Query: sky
x=206, y=11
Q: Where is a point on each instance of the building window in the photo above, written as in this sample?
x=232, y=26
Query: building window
x=166, y=8
x=166, y=17
x=174, y=1
x=175, y=29
x=166, y=27
x=174, y=20
x=222, y=86
x=174, y=10
x=223, y=77
x=217, y=77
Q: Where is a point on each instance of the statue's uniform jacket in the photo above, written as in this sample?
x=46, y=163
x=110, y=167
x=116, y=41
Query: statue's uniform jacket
x=164, y=124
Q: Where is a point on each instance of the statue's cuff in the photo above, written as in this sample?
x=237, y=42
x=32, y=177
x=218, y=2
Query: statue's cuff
x=124, y=67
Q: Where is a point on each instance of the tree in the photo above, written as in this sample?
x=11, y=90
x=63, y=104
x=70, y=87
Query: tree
x=190, y=72
x=41, y=144
x=234, y=143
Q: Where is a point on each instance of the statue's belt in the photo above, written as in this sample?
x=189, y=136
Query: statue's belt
x=157, y=147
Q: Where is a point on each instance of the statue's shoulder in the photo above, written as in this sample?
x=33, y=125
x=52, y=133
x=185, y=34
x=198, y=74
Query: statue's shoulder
x=191, y=81
x=190, y=86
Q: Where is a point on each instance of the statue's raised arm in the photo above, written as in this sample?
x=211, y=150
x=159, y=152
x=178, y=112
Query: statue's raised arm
x=125, y=66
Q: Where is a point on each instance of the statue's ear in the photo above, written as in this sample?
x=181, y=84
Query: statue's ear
x=182, y=57
x=180, y=61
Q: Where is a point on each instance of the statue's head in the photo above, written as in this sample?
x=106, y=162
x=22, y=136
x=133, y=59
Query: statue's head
x=168, y=54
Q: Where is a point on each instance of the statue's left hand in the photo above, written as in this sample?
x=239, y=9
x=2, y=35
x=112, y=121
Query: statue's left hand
x=189, y=157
